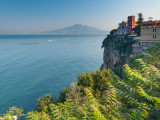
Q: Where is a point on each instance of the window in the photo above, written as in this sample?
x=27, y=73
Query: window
x=154, y=36
x=153, y=43
x=143, y=43
x=154, y=30
x=146, y=44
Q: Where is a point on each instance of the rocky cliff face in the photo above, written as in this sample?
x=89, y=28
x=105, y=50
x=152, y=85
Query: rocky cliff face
x=116, y=52
x=112, y=58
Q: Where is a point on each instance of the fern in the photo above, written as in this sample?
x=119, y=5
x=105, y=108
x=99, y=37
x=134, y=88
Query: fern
x=32, y=116
x=135, y=78
x=93, y=106
x=55, y=112
x=154, y=100
x=138, y=113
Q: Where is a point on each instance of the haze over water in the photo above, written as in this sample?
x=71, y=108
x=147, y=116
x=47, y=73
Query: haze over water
x=31, y=66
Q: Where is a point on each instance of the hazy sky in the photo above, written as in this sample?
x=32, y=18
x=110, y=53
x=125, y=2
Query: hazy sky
x=30, y=16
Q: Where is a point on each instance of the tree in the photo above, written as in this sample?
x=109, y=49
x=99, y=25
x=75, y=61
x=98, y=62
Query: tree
x=140, y=18
x=43, y=102
x=37, y=116
x=112, y=32
x=153, y=56
x=137, y=29
x=16, y=111
x=12, y=113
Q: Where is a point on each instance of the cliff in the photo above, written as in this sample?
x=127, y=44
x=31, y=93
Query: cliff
x=117, y=51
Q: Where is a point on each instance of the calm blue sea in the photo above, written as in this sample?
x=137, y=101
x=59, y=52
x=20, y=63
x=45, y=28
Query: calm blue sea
x=33, y=65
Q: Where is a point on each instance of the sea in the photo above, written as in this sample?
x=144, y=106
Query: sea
x=34, y=65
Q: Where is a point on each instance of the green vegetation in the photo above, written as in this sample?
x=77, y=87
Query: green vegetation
x=108, y=41
x=154, y=55
x=105, y=96
x=137, y=29
x=13, y=111
x=123, y=45
x=112, y=32
x=140, y=18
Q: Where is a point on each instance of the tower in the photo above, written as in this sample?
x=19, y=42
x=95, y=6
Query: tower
x=131, y=24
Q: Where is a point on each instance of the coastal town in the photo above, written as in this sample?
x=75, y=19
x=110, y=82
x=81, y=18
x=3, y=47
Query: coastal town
x=149, y=33
x=79, y=60
x=129, y=39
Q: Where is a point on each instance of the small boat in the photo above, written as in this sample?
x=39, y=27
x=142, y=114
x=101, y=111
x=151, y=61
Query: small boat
x=50, y=40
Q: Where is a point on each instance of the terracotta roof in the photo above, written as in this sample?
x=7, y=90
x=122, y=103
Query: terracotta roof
x=150, y=22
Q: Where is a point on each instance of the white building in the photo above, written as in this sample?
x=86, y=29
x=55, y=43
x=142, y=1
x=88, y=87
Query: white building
x=122, y=29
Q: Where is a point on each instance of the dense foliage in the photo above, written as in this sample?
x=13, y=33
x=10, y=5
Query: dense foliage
x=140, y=18
x=12, y=113
x=123, y=45
x=108, y=41
x=137, y=29
x=105, y=96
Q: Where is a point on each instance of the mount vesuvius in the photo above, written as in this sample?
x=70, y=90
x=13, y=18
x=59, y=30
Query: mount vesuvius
x=78, y=29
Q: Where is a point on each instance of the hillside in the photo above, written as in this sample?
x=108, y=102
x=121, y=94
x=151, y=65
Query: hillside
x=78, y=29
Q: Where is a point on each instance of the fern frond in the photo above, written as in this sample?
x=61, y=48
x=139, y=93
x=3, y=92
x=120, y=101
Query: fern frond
x=55, y=112
x=154, y=100
x=136, y=78
x=97, y=114
x=93, y=106
x=140, y=113
x=90, y=97
x=32, y=116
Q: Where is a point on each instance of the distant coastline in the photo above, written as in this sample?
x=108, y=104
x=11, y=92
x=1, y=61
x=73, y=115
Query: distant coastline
x=13, y=36
x=77, y=29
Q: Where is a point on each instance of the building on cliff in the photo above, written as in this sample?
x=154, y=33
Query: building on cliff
x=115, y=53
x=126, y=27
x=149, y=35
x=122, y=29
x=151, y=23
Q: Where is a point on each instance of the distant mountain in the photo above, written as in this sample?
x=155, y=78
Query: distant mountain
x=78, y=29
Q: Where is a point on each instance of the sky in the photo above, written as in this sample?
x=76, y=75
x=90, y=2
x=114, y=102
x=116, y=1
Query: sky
x=33, y=16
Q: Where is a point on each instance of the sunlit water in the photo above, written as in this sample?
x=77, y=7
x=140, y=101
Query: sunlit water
x=31, y=66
